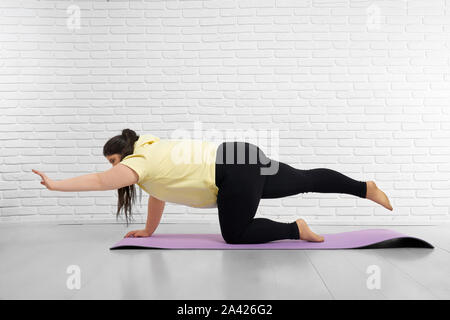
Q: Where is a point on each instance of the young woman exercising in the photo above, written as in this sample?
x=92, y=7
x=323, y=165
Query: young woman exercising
x=232, y=176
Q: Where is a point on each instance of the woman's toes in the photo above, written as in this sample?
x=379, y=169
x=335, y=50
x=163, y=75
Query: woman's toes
x=390, y=207
x=377, y=195
x=317, y=238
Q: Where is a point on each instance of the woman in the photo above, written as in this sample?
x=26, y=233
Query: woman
x=232, y=176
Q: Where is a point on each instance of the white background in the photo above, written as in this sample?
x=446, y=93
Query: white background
x=361, y=87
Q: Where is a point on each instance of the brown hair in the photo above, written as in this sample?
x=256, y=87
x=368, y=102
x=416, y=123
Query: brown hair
x=124, y=145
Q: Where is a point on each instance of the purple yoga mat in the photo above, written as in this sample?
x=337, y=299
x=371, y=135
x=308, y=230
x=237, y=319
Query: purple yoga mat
x=371, y=238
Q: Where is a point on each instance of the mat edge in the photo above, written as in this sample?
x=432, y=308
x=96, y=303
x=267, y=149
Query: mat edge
x=405, y=242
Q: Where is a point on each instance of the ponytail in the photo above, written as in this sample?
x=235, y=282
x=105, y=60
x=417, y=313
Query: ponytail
x=124, y=145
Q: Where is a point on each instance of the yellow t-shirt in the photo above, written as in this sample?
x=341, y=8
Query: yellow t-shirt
x=179, y=171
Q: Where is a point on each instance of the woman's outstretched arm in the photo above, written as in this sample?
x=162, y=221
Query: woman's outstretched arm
x=117, y=177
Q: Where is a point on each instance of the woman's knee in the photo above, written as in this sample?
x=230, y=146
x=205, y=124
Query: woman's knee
x=231, y=237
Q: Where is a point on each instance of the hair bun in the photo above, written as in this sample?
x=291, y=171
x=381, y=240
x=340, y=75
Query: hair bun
x=129, y=134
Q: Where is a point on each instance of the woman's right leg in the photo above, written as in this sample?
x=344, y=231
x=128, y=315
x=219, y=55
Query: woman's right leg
x=288, y=181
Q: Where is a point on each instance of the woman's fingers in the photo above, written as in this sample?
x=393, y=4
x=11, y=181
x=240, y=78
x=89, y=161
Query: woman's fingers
x=137, y=234
x=38, y=172
x=45, y=180
x=43, y=177
x=131, y=233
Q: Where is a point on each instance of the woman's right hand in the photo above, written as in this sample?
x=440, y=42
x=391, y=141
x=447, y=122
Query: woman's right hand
x=138, y=234
x=46, y=181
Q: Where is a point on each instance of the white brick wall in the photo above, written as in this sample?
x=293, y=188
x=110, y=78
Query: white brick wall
x=362, y=87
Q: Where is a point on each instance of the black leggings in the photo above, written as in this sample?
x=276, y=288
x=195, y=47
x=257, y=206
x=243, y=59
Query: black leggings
x=244, y=180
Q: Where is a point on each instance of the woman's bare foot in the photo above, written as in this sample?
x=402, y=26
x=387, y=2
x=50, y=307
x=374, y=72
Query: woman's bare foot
x=376, y=195
x=306, y=233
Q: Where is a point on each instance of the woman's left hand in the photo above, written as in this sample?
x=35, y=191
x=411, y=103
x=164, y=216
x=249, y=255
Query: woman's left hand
x=138, y=234
x=46, y=181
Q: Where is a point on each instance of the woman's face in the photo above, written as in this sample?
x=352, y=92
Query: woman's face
x=114, y=159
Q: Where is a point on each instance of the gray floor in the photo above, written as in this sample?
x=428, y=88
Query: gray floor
x=34, y=259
